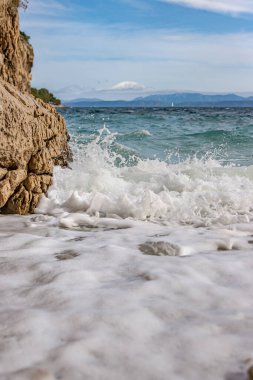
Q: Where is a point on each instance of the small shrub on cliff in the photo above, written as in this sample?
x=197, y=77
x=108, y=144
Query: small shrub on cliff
x=25, y=36
x=46, y=96
x=23, y=3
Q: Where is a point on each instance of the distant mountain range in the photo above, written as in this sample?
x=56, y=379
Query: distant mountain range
x=170, y=100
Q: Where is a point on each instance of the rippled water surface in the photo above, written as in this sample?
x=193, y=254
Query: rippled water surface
x=171, y=134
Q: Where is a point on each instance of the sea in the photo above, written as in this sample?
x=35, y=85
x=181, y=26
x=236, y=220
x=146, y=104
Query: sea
x=138, y=262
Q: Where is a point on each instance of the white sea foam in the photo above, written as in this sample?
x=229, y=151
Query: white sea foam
x=198, y=192
x=144, y=132
x=109, y=281
x=94, y=304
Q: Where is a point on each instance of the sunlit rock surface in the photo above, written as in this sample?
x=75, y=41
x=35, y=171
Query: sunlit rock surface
x=33, y=136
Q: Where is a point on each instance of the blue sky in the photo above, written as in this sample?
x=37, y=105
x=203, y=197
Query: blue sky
x=115, y=49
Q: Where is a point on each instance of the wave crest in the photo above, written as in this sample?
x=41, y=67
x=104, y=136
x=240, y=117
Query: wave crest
x=196, y=191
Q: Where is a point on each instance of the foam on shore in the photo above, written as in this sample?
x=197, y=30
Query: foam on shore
x=94, y=302
x=137, y=270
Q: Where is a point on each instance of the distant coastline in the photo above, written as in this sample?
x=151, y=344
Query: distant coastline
x=170, y=100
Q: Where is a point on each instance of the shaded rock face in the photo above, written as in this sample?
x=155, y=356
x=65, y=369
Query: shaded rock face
x=33, y=136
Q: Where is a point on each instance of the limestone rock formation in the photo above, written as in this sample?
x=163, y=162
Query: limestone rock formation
x=16, y=54
x=33, y=136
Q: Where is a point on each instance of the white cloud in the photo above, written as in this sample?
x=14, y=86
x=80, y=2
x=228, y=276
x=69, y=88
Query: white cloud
x=98, y=56
x=127, y=86
x=222, y=6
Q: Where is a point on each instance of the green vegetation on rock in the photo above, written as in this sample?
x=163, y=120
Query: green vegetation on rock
x=23, y=3
x=46, y=96
x=25, y=36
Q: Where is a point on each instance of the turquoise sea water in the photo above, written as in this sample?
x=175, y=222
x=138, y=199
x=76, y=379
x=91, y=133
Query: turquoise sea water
x=169, y=134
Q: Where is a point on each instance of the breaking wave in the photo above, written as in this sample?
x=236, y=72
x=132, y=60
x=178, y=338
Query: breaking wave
x=116, y=183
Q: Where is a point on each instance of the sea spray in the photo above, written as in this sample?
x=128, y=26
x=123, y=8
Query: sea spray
x=195, y=191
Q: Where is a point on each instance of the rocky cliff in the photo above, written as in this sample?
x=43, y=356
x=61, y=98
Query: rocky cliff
x=16, y=54
x=33, y=136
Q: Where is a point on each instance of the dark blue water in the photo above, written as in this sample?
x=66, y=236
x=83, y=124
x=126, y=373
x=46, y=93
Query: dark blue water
x=170, y=134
